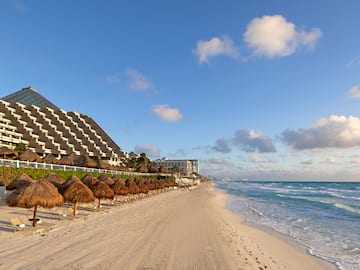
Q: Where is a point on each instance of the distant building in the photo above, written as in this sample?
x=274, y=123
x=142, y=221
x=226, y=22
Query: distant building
x=29, y=118
x=187, y=166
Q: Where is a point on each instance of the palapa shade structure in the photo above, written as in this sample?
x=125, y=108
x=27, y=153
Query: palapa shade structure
x=102, y=191
x=55, y=180
x=68, y=160
x=29, y=155
x=39, y=193
x=163, y=169
x=102, y=164
x=51, y=159
x=119, y=187
x=107, y=180
x=75, y=192
x=69, y=181
x=89, y=180
x=85, y=161
x=5, y=152
x=21, y=180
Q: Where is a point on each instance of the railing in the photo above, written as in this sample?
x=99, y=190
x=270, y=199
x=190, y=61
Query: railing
x=46, y=166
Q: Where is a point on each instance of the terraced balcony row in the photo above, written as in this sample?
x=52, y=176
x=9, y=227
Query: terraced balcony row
x=47, y=130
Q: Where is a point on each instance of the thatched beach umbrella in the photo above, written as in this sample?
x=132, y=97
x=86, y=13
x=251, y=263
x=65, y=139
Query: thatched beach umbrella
x=76, y=191
x=85, y=161
x=5, y=152
x=70, y=181
x=89, y=180
x=55, y=180
x=51, y=159
x=101, y=164
x=107, y=180
x=21, y=180
x=119, y=187
x=68, y=160
x=102, y=191
x=29, y=155
x=163, y=169
x=39, y=193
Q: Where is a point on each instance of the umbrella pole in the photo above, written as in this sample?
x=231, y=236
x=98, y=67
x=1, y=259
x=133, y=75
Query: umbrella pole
x=99, y=203
x=75, y=203
x=34, y=216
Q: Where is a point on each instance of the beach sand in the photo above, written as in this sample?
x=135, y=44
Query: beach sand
x=180, y=229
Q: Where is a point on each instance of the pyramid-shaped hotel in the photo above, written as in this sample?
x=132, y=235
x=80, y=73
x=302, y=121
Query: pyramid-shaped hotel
x=29, y=118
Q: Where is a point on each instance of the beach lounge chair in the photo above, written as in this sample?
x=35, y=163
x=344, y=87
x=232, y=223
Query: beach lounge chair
x=17, y=223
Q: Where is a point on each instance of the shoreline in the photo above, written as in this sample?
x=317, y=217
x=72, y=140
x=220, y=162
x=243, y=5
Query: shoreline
x=286, y=239
x=180, y=229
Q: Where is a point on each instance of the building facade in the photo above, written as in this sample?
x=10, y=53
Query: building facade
x=187, y=166
x=27, y=117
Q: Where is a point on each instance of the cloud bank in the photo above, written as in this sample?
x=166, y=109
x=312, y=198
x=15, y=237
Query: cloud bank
x=167, y=114
x=354, y=92
x=269, y=36
x=273, y=36
x=248, y=141
x=332, y=132
x=150, y=151
x=138, y=81
x=215, y=47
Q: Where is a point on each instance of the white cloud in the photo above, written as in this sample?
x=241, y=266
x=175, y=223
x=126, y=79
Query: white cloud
x=354, y=92
x=273, y=36
x=332, y=132
x=251, y=141
x=256, y=159
x=215, y=47
x=114, y=78
x=246, y=140
x=138, y=81
x=150, y=151
x=167, y=114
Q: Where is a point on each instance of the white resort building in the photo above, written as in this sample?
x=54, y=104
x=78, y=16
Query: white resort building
x=27, y=117
x=187, y=166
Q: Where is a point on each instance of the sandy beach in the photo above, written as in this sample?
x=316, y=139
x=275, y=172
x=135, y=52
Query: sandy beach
x=180, y=229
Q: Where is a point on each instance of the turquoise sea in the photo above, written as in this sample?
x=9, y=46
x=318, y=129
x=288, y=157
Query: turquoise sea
x=325, y=217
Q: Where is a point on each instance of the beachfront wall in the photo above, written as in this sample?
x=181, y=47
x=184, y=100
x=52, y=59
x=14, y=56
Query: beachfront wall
x=187, y=166
x=46, y=166
x=45, y=129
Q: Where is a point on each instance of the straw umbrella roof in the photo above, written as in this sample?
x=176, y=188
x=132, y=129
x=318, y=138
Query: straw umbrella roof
x=143, y=169
x=163, y=169
x=53, y=177
x=77, y=191
x=37, y=193
x=68, y=160
x=55, y=180
x=89, y=180
x=29, y=155
x=109, y=181
x=101, y=164
x=21, y=180
x=85, y=161
x=132, y=186
x=119, y=187
x=102, y=191
x=5, y=151
x=51, y=159
x=68, y=182
x=153, y=169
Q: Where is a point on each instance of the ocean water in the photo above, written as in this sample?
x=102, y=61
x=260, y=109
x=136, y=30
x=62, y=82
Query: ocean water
x=325, y=217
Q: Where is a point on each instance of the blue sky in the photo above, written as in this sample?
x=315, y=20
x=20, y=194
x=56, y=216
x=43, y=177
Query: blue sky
x=264, y=90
